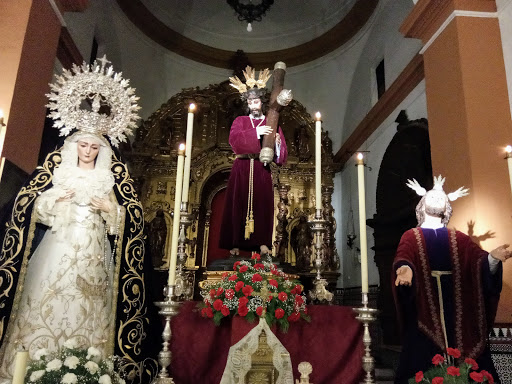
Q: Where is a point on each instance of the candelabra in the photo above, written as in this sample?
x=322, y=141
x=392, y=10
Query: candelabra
x=318, y=227
x=367, y=315
x=168, y=308
x=186, y=220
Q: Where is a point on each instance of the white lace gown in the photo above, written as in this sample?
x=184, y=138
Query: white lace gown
x=67, y=290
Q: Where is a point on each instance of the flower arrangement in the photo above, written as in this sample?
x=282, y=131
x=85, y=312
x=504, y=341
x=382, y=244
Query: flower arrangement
x=72, y=365
x=445, y=371
x=254, y=290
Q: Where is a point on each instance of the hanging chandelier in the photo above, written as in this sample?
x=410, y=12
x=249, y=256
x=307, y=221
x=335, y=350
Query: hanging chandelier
x=249, y=11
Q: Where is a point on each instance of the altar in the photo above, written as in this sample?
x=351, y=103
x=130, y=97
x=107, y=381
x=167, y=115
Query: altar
x=332, y=343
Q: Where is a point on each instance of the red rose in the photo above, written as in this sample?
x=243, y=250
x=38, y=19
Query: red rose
x=477, y=376
x=212, y=292
x=437, y=359
x=256, y=277
x=207, y=312
x=229, y=293
x=294, y=316
x=259, y=266
x=243, y=310
x=243, y=268
x=419, y=376
x=453, y=371
x=256, y=256
x=247, y=290
x=233, y=277
x=259, y=311
x=279, y=313
x=282, y=296
x=473, y=363
x=437, y=380
x=488, y=376
x=299, y=300
x=453, y=352
x=218, y=304
x=224, y=310
x=273, y=283
x=298, y=289
x=243, y=301
x=239, y=285
x=237, y=263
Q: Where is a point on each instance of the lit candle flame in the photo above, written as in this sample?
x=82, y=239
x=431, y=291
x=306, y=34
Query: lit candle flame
x=191, y=107
x=182, y=147
x=508, y=148
x=318, y=116
x=359, y=156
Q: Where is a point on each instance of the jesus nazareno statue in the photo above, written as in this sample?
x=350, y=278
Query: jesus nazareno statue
x=249, y=204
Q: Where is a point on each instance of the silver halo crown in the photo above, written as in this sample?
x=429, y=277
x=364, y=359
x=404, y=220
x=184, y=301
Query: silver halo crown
x=100, y=85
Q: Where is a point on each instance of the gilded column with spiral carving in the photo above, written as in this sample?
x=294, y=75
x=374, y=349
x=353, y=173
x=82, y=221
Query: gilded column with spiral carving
x=281, y=241
x=329, y=240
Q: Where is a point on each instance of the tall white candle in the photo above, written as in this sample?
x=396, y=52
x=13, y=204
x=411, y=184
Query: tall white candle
x=509, y=162
x=20, y=367
x=318, y=161
x=176, y=219
x=362, y=223
x=188, y=151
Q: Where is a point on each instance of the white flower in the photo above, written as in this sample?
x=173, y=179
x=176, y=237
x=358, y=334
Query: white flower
x=110, y=365
x=40, y=353
x=36, y=375
x=54, y=365
x=105, y=379
x=69, y=378
x=121, y=381
x=71, y=362
x=92, y=367
x=94, y=354
x=70, y=343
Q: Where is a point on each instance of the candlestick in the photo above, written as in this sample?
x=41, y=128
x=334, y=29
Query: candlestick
x=176, y=218
x=20, y=367
x=362, y=223
x=188, y=151
x=318, y=161
x=509, y=162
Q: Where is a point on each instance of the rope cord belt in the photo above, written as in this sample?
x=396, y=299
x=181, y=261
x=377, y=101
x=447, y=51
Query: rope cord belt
x=437, y=275
x=249, y=219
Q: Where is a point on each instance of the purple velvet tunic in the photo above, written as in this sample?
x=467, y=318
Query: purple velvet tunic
x=244, y=140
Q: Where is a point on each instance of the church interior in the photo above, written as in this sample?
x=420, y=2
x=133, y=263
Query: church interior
x=420, y=88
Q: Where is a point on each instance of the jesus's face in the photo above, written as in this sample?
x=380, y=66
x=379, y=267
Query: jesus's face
x=435, y=203
x=254, y=104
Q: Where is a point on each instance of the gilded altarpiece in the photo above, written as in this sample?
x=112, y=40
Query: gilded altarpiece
x=152, y=161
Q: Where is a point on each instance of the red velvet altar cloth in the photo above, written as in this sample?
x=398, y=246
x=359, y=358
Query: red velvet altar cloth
x=332, y=343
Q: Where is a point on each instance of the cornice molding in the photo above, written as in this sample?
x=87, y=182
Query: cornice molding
x=341, y=33
x=427, y=16
x=408, y=79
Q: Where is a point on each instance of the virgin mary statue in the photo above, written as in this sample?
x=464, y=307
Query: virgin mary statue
x=71, y=264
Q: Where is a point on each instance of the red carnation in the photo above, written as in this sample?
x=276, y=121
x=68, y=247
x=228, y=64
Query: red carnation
x=437, y=380
x=237, y=263
x=279, y=313
x=274, y=271
x=294, y=316
x=219, y=291
x=212, y=292
x=256, y=256
x=259, y=311
x=233, y=277
x=243, y=268
x=256, y=277
x=239, y=285
x=207, y=312
x=259, y=266
x=437, y=359
x=224, y=310
x=488, y=376
x=419, y=376
x=299, y=300
x=477, y=376
x=453, y=352
x=243, y=310
x=247, y=290
x=273, y=283
x=453, y=371
x=473, y=363
x=229, y=293
x=218, y=304
x=298, y=289
x=282, y=296
x=243, y=301
x=224, y=275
